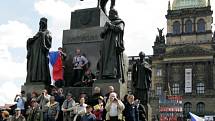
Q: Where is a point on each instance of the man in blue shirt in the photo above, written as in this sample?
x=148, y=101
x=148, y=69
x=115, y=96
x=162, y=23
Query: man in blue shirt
x=88, y=116
x=21, y=100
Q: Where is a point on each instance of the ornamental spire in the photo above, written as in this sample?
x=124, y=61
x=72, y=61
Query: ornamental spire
x=169, y=6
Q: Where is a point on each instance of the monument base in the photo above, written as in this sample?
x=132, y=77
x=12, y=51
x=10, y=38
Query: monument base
x=33, y=87
x=76, y=91
x=119, y=87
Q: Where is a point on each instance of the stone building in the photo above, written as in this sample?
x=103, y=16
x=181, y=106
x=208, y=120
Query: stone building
x=183, y=62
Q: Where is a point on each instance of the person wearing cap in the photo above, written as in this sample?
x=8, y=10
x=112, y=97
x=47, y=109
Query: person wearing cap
x=18, y=116
x=21, y=100
x=88, y=116
x=5, y=116
x=43, y=99
x=99, y=109
x=33, y=111
x=68, y=108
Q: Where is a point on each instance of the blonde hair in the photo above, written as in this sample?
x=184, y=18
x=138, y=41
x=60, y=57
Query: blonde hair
x=5, y=114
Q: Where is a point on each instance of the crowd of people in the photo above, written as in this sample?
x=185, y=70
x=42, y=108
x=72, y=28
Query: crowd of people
x=57, y=107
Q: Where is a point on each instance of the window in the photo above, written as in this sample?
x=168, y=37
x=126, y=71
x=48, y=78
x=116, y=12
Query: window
x=187, y=107
x=201, y=25
x=200, y=108
x=158, y=90
x=129, y=76
x=176, y=27
x=175, y=89
x=159, y=72
x=200, y=88
x=188, y=26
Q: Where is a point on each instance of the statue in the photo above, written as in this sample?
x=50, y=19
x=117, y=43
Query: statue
x=103, y=3
x=111, y=65
x=141, y=78
x=160, y=39
x=37, y=55
x=214, y=36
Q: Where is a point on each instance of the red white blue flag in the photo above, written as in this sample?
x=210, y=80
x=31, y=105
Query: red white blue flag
x=56, y=65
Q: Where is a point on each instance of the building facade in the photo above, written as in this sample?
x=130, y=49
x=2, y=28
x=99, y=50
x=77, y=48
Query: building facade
x=183, y=63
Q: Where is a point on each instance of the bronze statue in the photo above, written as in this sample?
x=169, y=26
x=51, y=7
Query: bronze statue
x=160, y=38
x=37, y=55
x=112, y=48
x=141, y=78
x=103, y=3
x=214, y=36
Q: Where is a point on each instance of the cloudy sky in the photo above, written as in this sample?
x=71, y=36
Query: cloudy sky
x=19, y=21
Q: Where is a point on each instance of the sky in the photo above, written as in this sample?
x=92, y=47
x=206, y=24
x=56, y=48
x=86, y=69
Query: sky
x=20, y=21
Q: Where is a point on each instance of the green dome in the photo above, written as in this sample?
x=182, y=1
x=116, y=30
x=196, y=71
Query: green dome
x=181, y=4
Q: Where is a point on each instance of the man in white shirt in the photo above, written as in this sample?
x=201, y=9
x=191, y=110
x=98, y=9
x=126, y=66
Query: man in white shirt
x=79, y=63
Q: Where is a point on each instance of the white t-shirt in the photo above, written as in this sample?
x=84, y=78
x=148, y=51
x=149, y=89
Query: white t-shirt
x=113, y=110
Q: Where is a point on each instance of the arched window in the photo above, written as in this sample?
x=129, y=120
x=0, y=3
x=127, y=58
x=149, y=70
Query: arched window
x=187, y=107
x=201, y=25
x=176, y=27
x=175, y=89
x=200, y=88
x=188, y=26
x=200, y=108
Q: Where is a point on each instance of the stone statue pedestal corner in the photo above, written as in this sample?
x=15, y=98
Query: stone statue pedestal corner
x=119, y=87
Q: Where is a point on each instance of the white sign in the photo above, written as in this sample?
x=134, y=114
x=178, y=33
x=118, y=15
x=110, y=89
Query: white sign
x=209, y=118
x=188, y=80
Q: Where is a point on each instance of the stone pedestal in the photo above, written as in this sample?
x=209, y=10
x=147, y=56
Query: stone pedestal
x=76, y=91
x=84, y=33
x=33, y=86
x=119, y=87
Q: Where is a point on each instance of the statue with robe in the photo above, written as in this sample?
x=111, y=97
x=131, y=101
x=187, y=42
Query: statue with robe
x=37, y=55
x=103, y=3
x=141, y=78
x=111, y=65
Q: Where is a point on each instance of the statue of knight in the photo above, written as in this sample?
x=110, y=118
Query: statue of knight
x=102, y=4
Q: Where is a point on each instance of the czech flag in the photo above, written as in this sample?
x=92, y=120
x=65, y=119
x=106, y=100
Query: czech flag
x=56, y=65
x=195, y=117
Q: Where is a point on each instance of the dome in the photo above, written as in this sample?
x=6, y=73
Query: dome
x=181, y=4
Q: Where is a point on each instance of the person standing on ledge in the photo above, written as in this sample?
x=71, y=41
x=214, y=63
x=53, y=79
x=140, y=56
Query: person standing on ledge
x=79, y=63
x=37, y=55
x=112, y=48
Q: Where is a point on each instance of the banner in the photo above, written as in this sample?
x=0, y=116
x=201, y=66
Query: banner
x=188, y=80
